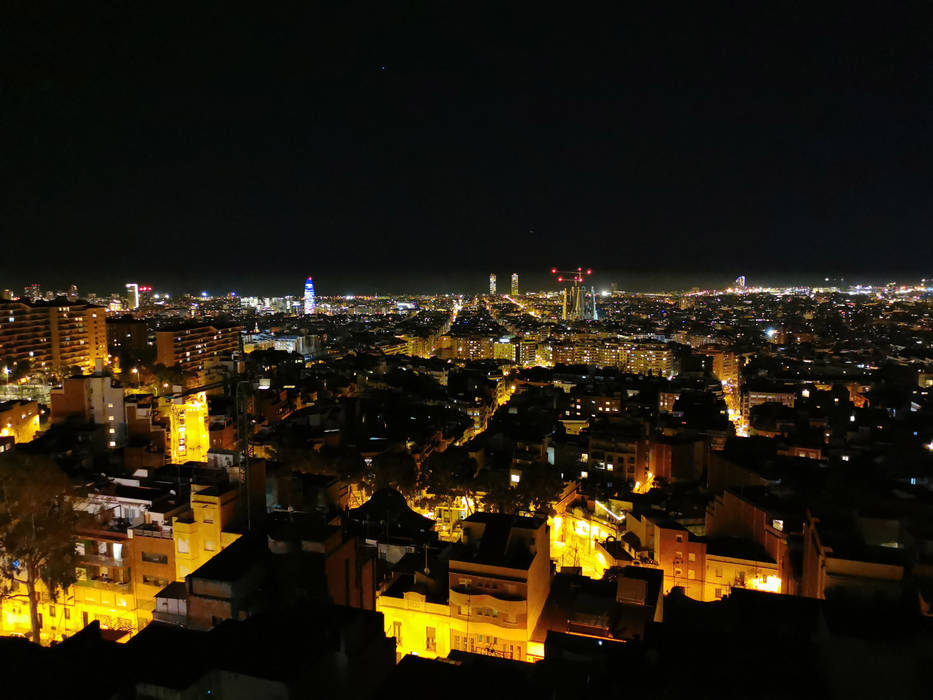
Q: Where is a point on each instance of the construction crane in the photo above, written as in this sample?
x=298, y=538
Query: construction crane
x=573, y=305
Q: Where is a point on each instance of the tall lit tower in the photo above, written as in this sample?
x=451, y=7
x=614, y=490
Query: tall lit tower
x=514, y=284
x=740, y=282
x=492, y=285
x=132, y=295
x=309, y=297
x=573, y=305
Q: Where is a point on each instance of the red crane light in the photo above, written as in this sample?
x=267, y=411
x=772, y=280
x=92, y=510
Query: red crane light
x=589, y=272
x=560, y=279
x=553, y=270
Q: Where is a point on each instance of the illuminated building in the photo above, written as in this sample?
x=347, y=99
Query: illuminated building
x=472, y=347
x=504, y=349
x=32, y=292
x=573, y=297
x=309, y=299
x=189, y=438
x=201, y=532
x=648, y=358
x=189, y=347
x=492, y=285
x=19, y=420
x=120, y=568
x=514, y=284
x=132, y=295
x=757, y=392
x=52, y=336
x=497, y=583
x=95, y=398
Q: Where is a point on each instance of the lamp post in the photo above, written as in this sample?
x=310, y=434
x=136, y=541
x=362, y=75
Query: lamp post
x=136, y=372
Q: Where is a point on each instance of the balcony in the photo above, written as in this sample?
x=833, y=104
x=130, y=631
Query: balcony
x=164, y=533
x=103, y=585
x=100, y=560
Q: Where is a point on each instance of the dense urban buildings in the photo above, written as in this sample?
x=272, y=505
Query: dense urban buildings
x=481, y=471
x=702, y=467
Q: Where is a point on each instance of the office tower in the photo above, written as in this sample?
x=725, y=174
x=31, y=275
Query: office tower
x=492, y=285
x=740, y=282
x=52, y=336
x=31, y=292
x=132, y=295
x=309, y=297
x=514, y=284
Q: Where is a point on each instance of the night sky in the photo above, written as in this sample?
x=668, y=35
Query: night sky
x=419, y=146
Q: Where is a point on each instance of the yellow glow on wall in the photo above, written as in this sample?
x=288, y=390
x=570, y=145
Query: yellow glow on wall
x=190, y=439
x=771, y=584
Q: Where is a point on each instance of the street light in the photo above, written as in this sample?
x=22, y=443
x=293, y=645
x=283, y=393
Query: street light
x=136, y=372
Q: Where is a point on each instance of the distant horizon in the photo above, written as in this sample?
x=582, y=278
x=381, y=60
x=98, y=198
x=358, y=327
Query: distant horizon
x=342, y=284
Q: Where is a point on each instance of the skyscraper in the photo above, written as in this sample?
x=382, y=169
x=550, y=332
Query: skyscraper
x=514, y=284
x=492, y=285
x=132, y=295
x=309, y=296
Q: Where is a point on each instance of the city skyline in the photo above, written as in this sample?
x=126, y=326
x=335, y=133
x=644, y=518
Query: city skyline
x=533, y=281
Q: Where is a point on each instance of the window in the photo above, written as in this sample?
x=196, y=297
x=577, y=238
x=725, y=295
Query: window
x=67, y=613
x=155, y=581
x=691, y=556
x=183, y=545
x=397, y=631
x=679, y=538
x=691, y=574
x=719, y=593
x=51, y=611
x=155, y=558
x=209, y=546
x=678, y=572
x=718, y=572
x=430, y=641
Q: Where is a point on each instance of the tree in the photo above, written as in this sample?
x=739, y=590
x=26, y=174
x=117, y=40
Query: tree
x=37, y=529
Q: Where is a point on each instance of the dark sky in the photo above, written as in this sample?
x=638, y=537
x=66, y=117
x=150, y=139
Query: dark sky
x=418, y=145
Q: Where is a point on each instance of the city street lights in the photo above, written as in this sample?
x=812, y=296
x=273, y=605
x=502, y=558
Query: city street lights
x=136, y=372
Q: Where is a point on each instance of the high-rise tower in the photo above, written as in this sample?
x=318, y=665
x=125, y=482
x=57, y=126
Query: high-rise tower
x=492, y=284
x=309, y=297
x=132, y=295
x=514, y=284
x=573, y=302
